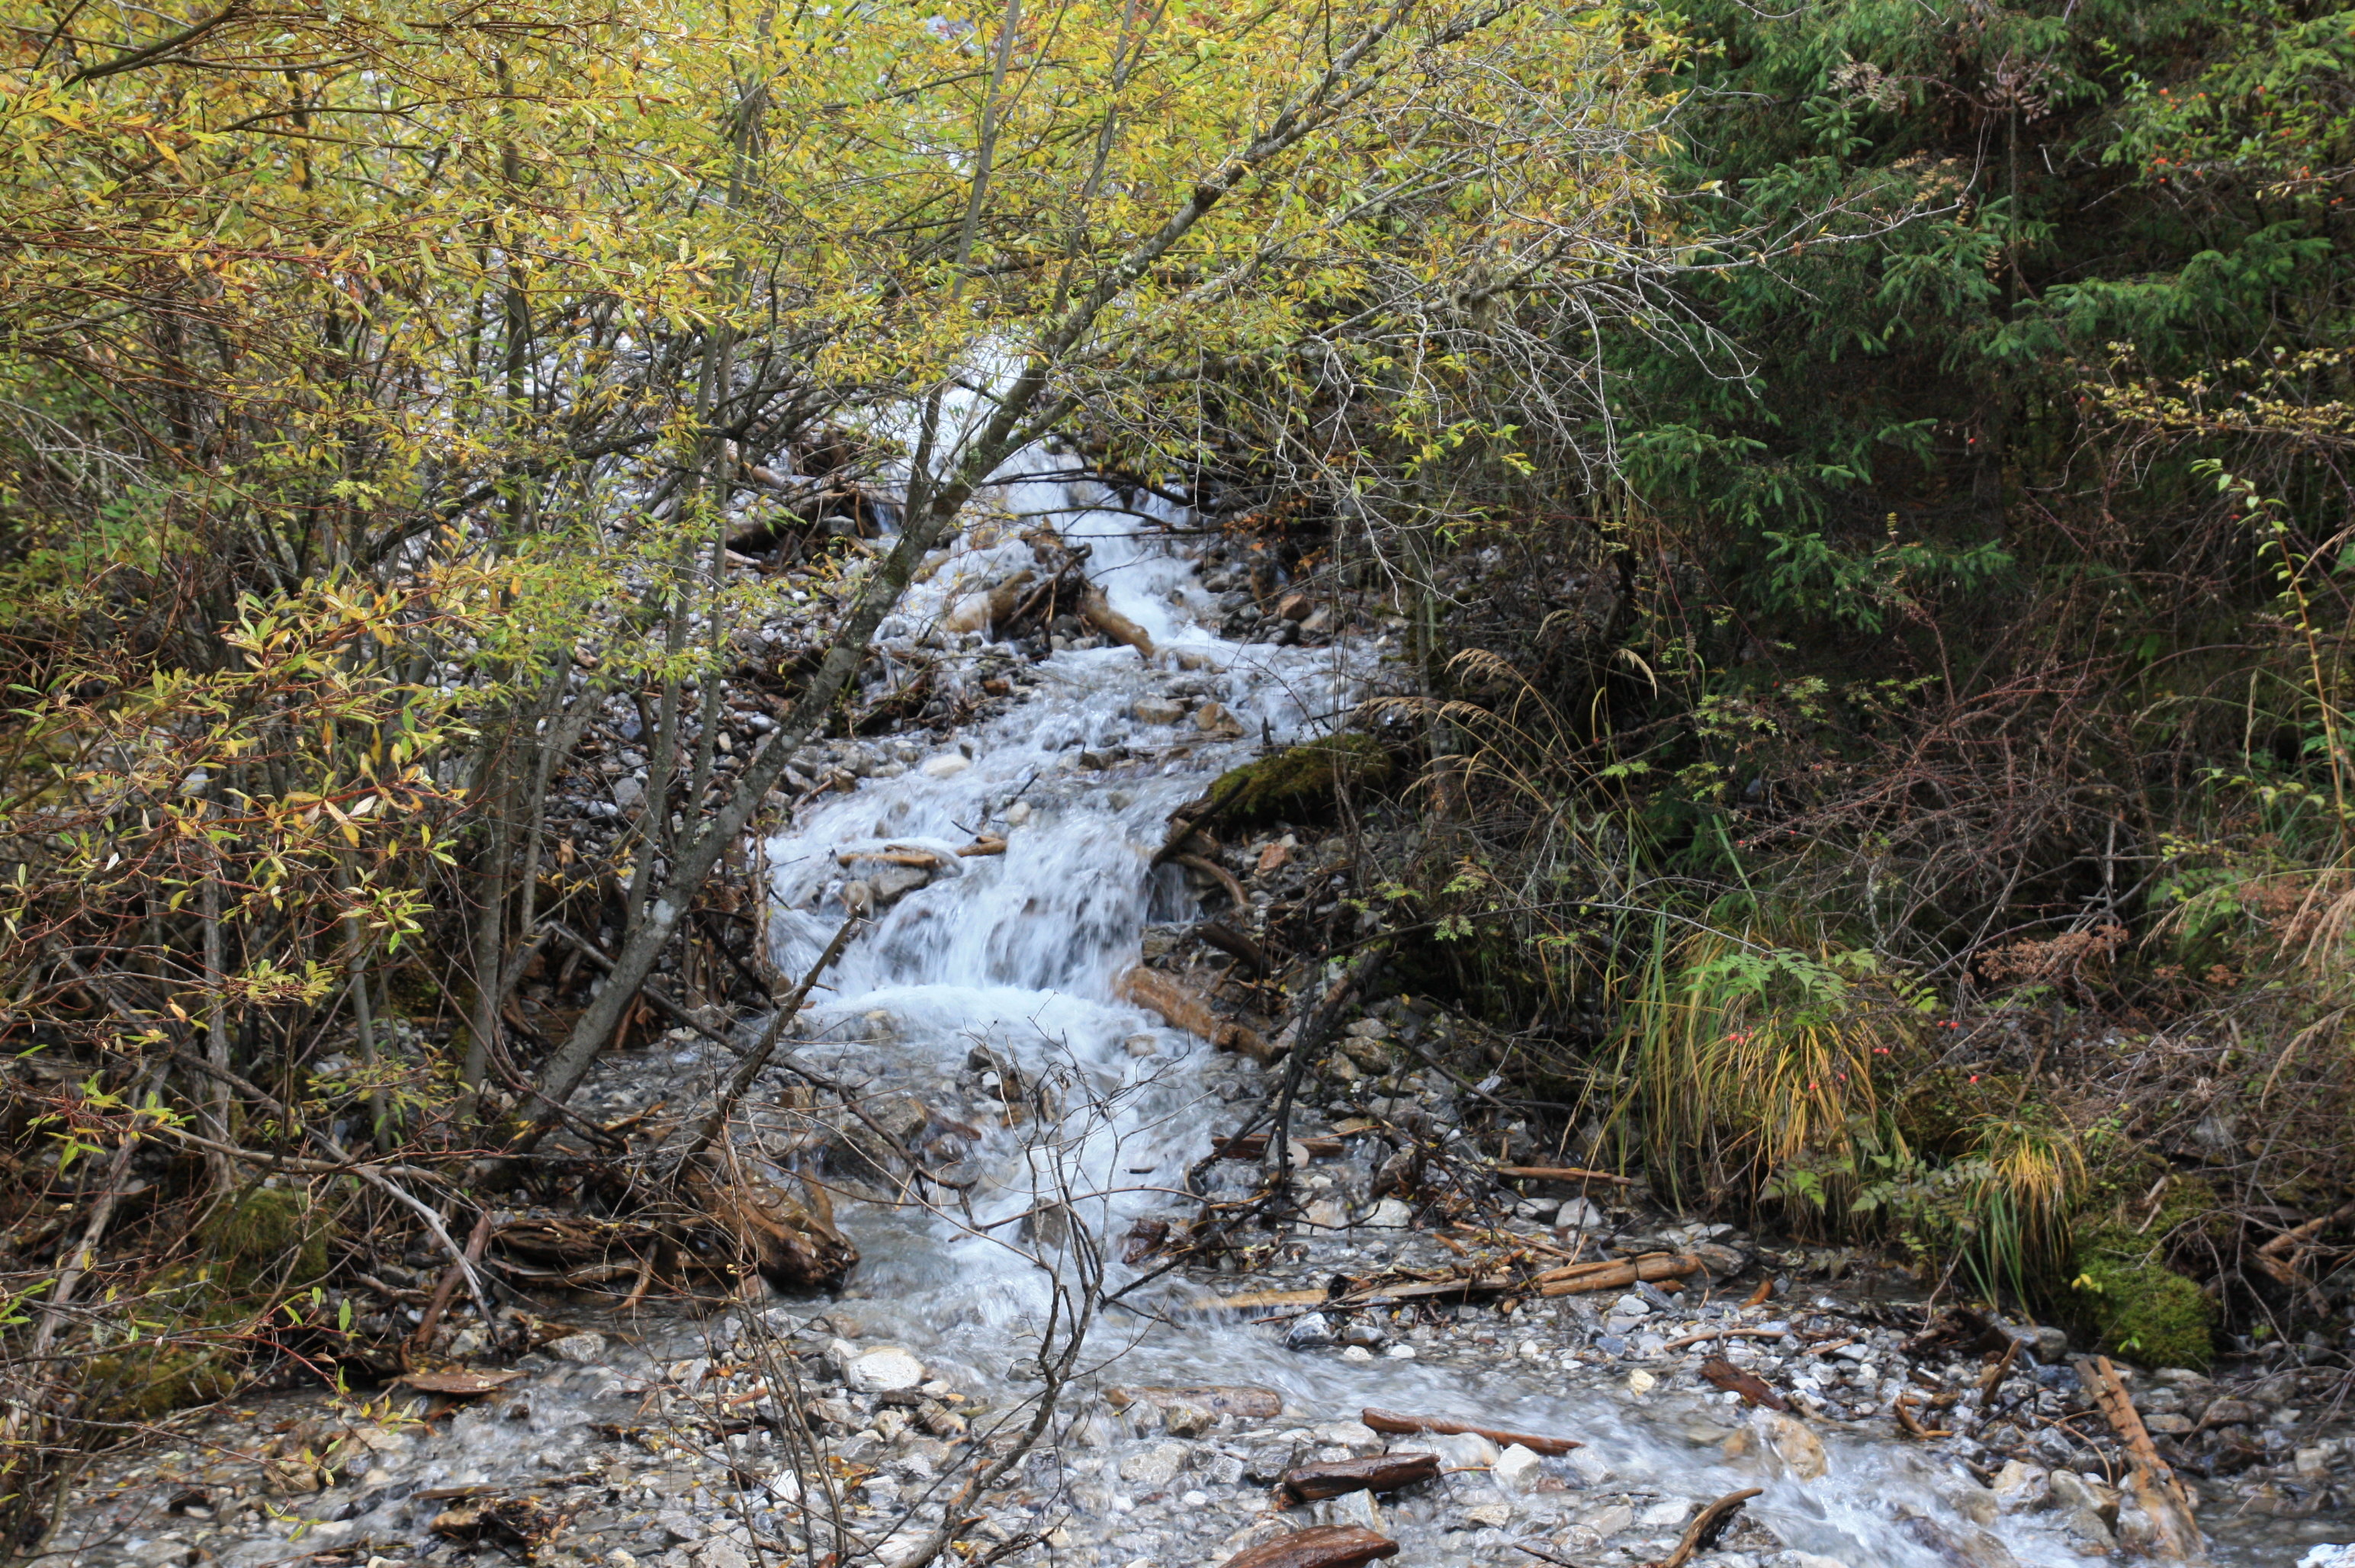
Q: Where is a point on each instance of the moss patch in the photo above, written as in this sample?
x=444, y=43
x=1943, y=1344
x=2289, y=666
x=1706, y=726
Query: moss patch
x=147, y=1385
x=2144, y=1311
x=2123, y=1291
x=268, y=1232
x=1300, y=778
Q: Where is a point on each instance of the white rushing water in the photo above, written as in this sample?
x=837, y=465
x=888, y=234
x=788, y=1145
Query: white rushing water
x=1020, y=952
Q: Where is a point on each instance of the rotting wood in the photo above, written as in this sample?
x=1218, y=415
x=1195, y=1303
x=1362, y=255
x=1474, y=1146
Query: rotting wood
x=1706, y=1526
x=2154, y=1481
x=1320, y=1546
x=1382, y=1473
x=1398, y=1424
x=1180, y=1008
x=1649, y=1268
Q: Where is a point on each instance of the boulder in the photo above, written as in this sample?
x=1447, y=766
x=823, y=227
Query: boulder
x=885, y=1369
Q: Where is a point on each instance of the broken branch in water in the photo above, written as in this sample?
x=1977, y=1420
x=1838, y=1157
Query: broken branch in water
x=1706, y=1526
x=1396, y=1423
x=1382, y=1473
x=2156, y=1487
x=1320, y=1546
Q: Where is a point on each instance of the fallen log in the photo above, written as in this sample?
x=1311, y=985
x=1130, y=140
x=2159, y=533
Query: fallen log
x=1382, y=1473
x=1580, y=1278
x=1097, y=612
x=1321, y=1546
x=1254, y=1145
x=1706, y=1526
x=1160, y=993
x=2154, y=1480
x=1561, y=1173
x=1246, y=1400
x=1258, y=1301
x=1577, y=1279
x=1398, y=1424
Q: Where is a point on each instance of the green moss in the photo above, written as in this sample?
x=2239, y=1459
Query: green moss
x=2123, y=1291
x=146, y=1384
x=1299, y=778
x=264, y=1232
x=2144, y=1311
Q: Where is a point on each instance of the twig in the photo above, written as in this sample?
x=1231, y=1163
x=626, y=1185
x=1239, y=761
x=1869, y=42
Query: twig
x=481, y=1235
x=1706, y=1526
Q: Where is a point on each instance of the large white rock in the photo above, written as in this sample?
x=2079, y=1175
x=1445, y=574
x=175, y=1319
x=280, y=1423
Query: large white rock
x=1456, y=1450
x=1517, y=1469
x=948, y=764
x=1154, y=1467
x=885, y=1369
x=583, y=1349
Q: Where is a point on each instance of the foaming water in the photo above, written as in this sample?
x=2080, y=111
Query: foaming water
x=1020, y=952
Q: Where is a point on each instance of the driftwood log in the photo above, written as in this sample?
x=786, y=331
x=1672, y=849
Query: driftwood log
x=2155, y=1484
x=1160, y=993
x=1324, y=1546
x=1382, y=1473
x=1244, y=1400
x=1577, y=1279
x=1397, y=1424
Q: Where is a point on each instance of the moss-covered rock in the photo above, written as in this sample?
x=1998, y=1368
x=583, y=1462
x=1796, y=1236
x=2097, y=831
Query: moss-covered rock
x=2144, y=1311
x=2123, y=1291
x=1300, y=778
x=268, y=1232
x=148, y=1383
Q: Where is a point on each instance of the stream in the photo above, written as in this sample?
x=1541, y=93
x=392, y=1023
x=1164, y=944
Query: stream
x=1019, y=953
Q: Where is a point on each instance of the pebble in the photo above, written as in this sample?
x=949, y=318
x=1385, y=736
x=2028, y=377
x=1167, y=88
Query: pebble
x=948, y=764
